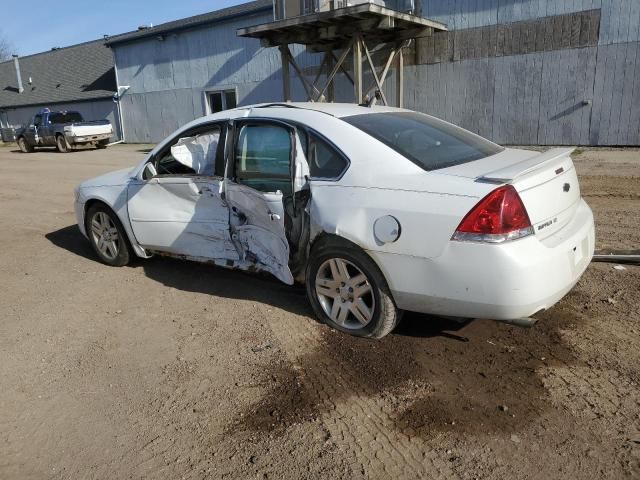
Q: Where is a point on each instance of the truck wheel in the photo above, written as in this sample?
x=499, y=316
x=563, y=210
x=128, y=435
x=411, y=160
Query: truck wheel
x=62, y=144
x=24, y=146
x=102, y=144
x=348, y=292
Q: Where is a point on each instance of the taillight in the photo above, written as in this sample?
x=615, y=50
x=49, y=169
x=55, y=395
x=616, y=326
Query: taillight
x=498, y=217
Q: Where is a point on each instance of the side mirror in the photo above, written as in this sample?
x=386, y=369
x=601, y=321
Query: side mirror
x=149, y=171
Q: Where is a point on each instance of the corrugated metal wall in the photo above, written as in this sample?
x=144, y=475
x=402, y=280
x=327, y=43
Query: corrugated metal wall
x=515, y=71
x=569, y=89
x=168, y=79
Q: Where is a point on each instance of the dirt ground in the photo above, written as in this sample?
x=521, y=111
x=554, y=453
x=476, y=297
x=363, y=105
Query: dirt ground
x=169, y=369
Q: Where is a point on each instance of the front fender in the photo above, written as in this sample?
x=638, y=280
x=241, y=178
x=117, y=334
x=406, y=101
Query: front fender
x=115, y=197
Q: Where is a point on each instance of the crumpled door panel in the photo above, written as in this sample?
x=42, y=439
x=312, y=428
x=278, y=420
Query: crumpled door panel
x=183, y=216
x=257, y=229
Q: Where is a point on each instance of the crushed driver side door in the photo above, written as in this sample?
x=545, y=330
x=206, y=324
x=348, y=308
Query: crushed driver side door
x=264, y=164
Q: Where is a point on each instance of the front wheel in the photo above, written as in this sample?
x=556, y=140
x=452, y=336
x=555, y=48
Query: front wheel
x=107, y=236
x=348, y=292
x=24, y=146
x=102, y=144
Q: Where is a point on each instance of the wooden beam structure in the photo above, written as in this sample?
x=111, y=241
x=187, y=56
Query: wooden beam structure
x=338, y=34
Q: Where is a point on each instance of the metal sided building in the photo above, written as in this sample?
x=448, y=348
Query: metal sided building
x=80, y=77
x=181, y=70
x=549, y=72
x=516, y=71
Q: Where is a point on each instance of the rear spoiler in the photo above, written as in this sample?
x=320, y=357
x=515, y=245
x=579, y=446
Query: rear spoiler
x=520, y=169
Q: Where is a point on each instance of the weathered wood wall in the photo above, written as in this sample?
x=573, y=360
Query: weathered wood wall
x=533, y=71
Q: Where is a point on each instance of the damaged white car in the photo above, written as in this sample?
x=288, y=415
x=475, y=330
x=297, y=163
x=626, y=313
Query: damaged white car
x=376, y=209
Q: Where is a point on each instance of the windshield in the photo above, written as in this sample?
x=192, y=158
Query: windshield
x=65, y=117
x=426, y=141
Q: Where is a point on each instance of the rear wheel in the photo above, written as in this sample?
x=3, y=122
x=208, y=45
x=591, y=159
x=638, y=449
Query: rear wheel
x=348, y=292
x=62, y=144
x=24, y=146
x=107, y=236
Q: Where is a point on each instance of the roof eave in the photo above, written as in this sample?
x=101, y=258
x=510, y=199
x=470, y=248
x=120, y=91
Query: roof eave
x=155, y=31
x=57, y=102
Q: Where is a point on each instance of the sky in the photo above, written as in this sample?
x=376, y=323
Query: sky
x=38, y=28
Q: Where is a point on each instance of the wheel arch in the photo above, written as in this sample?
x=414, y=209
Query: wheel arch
x=139, y=251
x=332, y=239
x=334, y=244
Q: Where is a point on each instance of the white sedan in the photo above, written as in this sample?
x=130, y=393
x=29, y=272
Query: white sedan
x=376, y=209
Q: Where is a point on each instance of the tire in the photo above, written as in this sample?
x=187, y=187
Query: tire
x=24, y=145
x=61, y=144
x=330, y=294
x=101, y=145
x=115, y=249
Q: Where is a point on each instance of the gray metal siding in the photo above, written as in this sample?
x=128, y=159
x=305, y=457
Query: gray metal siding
x=616, y=104
x=515, y=71
x=459, y=14
x=567, y=84
x=620, y=18
x=539, y=98
x=168, y=78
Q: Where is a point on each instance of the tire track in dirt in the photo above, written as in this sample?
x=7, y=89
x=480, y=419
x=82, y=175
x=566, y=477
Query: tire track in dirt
x=453, y=391
x=351, y=409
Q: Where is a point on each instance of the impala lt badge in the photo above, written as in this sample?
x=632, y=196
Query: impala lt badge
x=547, y=223
x=566, y=187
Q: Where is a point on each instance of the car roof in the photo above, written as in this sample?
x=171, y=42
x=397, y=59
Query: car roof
x=338, y=110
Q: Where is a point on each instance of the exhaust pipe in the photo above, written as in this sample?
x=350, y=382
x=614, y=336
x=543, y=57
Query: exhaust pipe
x=16, y=63
x=521, y=322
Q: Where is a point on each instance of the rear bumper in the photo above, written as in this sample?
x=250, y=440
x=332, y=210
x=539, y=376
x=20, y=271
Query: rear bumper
x=502, y=282
x=88, y=138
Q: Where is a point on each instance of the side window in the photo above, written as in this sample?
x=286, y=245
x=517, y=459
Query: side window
x=37, y=121
x=324, y=160
x=193, y=153
x=262, y=158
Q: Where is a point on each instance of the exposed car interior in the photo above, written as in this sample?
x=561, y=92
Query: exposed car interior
x=190, y=155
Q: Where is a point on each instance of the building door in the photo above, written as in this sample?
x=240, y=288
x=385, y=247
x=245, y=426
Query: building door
x=222, y=100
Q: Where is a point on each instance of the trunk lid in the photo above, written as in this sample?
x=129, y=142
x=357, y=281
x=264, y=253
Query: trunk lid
x=546, y=182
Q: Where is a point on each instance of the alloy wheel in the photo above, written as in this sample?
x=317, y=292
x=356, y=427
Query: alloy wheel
x=105, y=235
x=345, y=293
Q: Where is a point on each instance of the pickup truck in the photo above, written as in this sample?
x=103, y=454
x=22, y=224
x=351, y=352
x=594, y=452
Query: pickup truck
x=64, y=130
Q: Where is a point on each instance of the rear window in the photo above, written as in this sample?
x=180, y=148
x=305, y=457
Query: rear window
x=426, y=141
x=68, y=117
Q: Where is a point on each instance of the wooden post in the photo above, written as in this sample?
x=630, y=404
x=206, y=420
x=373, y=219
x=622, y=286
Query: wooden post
x=357, y=69
x=331, y=94
x=286, y=79
x=400, y=79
